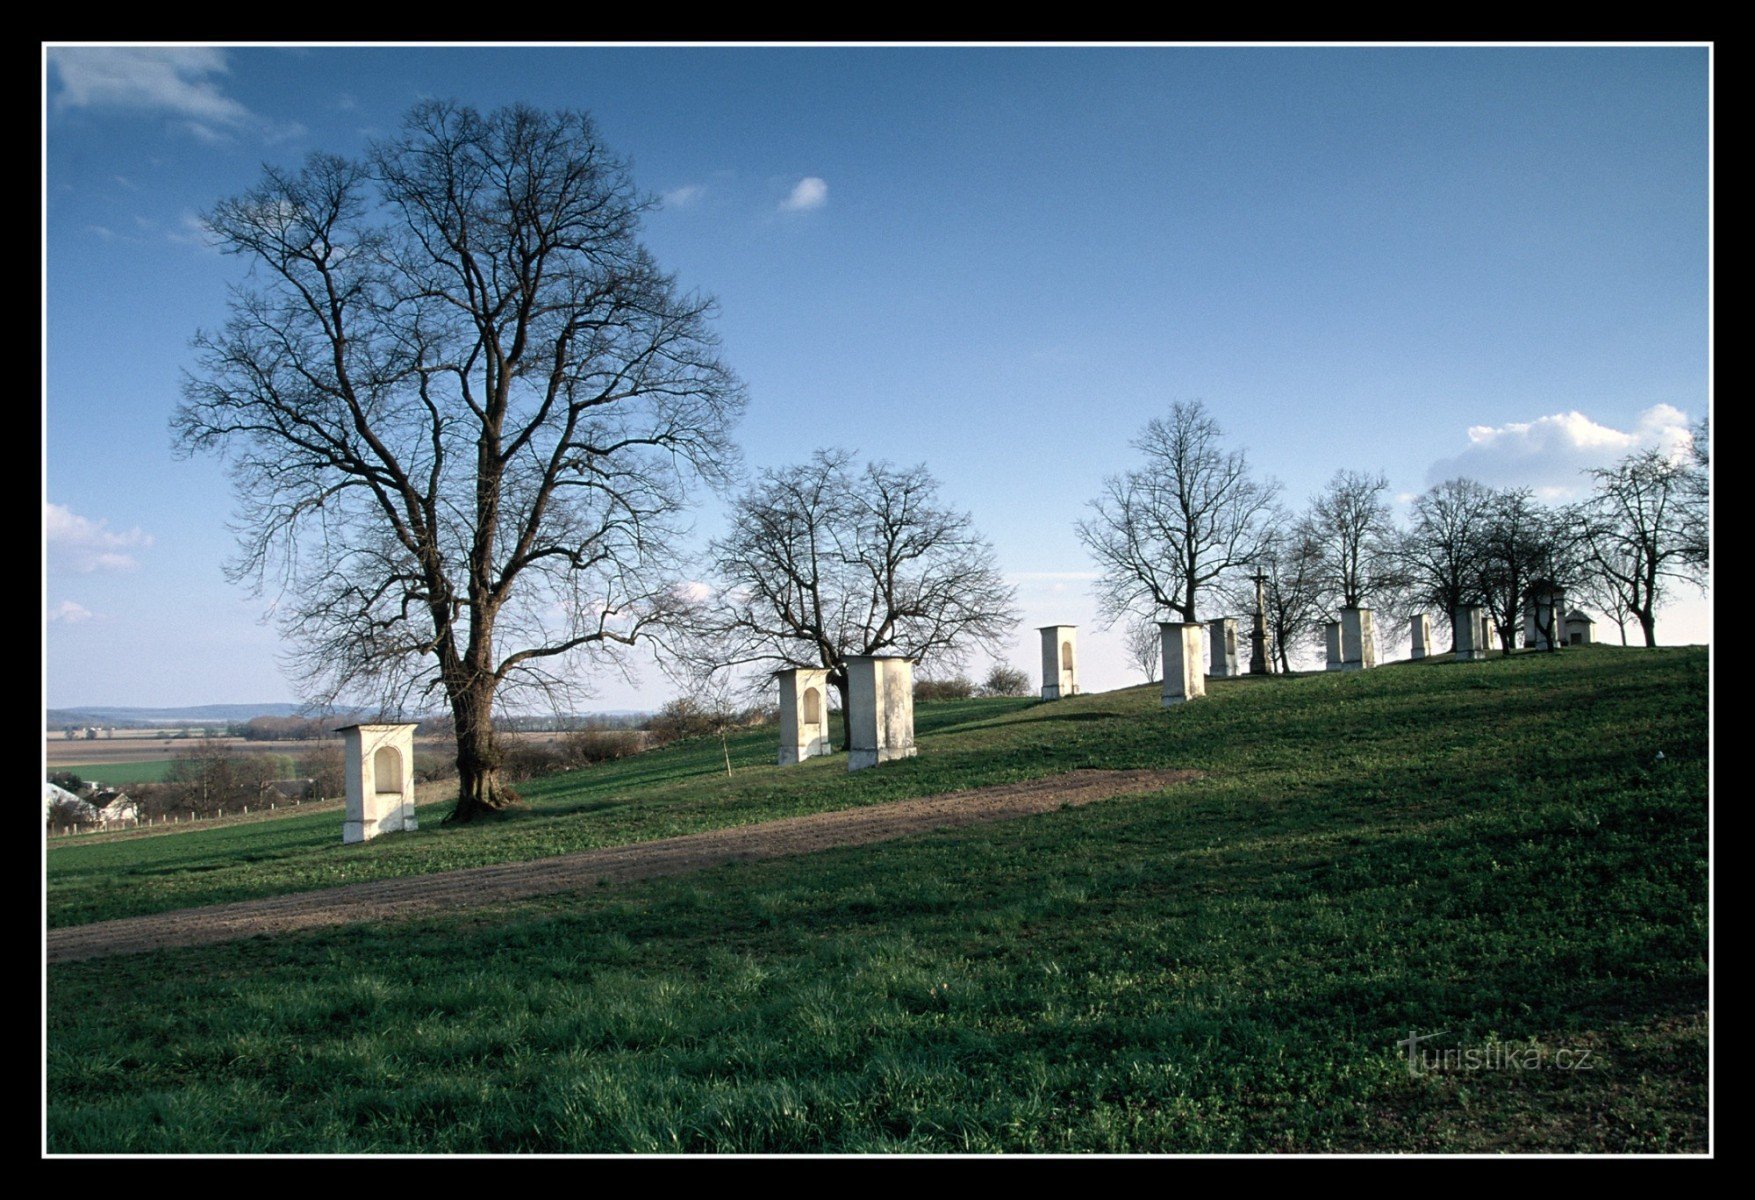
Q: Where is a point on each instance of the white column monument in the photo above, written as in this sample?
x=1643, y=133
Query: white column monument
x=1358, y=640
x=1486, y=642
x=1420, y=634
x=1224, y=644
x=1183, y=655
x=1542, y=617
x=380, y=780
x=1466, y=625
x=804, y=714
x=880, y=709
x=1060, y=675
x=1331, y=636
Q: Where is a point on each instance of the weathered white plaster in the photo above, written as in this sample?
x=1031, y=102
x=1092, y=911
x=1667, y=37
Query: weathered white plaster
x=1358, y=639
x=1060, y=671
x=880, y=709
x=380, y=780
x=1468, y=626
x=1420, y=635
x=1184, y=664
x=804, y=714
x=1224, y=647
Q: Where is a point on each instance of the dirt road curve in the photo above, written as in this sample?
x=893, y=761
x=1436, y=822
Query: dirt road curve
x=471, y=887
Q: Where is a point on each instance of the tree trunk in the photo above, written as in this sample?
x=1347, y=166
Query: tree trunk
x=1648, y=626
x=479, y=790
x=840, y=683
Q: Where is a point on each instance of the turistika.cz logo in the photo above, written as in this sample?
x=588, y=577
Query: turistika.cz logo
x=1494, y=1056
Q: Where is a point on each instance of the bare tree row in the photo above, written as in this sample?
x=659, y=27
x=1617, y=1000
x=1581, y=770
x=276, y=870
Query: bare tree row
x=1185, y=533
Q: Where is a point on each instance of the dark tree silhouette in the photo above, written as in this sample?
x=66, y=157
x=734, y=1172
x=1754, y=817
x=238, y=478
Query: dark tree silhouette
x=1190, y=513
x=828, y=559
x=462, y=407
x=1645, y=531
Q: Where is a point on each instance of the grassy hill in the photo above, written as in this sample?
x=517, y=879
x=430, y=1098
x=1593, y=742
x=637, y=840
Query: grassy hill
x=1489, y=852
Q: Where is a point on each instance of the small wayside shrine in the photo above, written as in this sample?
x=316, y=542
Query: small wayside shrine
x=1060, y=675
x=880, y=709
x=804, y=714
x=1468, y=630
x=380, y=780
x=1182, y=647
x=1223, y=640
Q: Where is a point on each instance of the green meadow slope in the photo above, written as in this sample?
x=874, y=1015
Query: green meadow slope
x=1488, y=852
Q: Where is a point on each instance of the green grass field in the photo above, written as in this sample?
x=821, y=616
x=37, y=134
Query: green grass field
x=1490, y=850
x=120, y=774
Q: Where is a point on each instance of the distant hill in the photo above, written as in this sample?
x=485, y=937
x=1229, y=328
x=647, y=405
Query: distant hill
x=55, y=718
x=200, y=714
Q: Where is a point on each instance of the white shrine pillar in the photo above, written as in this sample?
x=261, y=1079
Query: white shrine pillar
x=880, y=709
x=1420, y=634
x=380, y=780
x=1183, y=655
x=804, y=713
x=1331, y=638
x=1466, y=625
x=1224, y=644
x=1486, y=632
x=1060, y=675
x=1358, y=640
x=1542, y=618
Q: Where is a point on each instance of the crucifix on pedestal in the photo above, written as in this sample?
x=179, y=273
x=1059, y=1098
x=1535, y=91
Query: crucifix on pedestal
x=1258, y=659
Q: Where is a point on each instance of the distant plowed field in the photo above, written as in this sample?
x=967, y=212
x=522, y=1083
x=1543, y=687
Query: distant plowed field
x=63, y=752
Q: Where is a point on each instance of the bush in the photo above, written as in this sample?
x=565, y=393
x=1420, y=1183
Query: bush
x=526, y=758
x=956, y=687
x=1005, y=680
x=678, y=719
x=583, y=747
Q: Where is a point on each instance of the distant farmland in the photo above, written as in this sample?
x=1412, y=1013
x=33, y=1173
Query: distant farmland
x=140, y=759
x=118, y=774
x=105, y=752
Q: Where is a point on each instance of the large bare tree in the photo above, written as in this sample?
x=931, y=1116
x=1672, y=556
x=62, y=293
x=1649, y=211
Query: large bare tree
x=1293, y=587
x=1516, y=551
x=1440, y=553
x=1357, y=539
x=1645, y=531
x=462, y=406
x=829, y=559
x=1180, y=521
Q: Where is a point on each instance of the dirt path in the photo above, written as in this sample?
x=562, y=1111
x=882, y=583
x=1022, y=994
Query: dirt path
x=471, y=887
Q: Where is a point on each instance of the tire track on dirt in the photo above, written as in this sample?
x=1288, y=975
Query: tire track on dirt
x=475, y=887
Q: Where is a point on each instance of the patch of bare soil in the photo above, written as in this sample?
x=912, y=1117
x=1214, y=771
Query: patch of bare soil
x=474, y=887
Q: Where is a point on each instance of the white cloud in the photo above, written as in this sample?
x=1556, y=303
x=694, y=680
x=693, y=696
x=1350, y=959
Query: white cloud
x=70, y=612
x=181, y=82
x=809, y=193
x=78, y=544
x=1550, y=454
x=190, y=231
x=686, y=196
x=154, y=79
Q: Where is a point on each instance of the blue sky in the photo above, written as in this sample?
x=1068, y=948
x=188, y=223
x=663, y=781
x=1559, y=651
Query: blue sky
x=999, y=261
